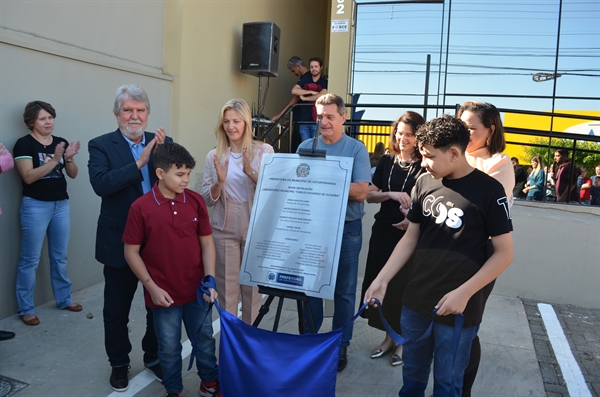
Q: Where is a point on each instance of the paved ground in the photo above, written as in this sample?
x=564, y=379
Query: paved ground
x=582, y=330
x=64, y=355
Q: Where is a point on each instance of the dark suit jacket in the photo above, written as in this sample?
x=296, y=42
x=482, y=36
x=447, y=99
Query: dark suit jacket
x=117, y=180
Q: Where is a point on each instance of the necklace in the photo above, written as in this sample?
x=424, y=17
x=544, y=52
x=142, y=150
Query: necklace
x=235, y=157
x=399, y=162
x=42, y=143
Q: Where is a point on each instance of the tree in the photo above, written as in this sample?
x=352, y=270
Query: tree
x=587, y=153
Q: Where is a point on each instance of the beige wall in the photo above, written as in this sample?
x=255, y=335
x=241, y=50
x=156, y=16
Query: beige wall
x=127, y=32
x=203, y=53
x=73, y=55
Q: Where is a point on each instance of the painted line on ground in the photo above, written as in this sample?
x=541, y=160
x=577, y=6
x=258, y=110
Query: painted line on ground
x=144, y=378
x=566, y=361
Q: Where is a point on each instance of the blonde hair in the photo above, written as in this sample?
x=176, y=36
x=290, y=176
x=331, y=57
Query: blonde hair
x=243, y=110
x=540, y=164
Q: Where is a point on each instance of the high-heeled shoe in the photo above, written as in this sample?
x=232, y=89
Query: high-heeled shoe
x=379, y=352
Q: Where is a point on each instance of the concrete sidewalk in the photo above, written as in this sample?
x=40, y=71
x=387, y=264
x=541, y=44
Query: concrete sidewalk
x=64, y=355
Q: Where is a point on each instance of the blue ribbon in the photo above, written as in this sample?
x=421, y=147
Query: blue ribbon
x=459, y=321
x=204, y=289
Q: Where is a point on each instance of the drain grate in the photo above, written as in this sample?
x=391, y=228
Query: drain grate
x=8, y=386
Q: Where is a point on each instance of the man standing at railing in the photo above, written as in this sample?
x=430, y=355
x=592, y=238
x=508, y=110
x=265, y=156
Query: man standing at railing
x=309, y=87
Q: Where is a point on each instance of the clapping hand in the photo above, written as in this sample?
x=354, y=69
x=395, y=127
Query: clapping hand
x=59, y=150
x=221, y=168
x=72, y=150
x=247, y=168
x=160, y=136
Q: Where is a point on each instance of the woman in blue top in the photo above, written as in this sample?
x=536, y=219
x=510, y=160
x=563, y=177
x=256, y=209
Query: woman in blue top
x=535, y=185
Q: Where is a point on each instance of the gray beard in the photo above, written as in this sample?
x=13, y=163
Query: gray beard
x=132, y=134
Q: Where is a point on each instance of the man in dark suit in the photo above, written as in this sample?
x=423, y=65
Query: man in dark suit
x=121, y=169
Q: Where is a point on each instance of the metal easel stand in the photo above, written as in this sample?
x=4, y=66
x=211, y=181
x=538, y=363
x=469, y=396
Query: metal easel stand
x=300, y=298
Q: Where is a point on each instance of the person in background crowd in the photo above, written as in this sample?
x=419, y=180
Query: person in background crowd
x=550, y=186
x=521, y=177
x=585, y=184
x=565, y=176
x=376, y=155
x=595, y=188
x=535, y=185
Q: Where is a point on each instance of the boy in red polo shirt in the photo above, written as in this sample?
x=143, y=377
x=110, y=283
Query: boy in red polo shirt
x=172, y=224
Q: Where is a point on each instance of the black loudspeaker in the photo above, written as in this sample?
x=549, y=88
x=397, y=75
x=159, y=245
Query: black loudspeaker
x=260, y=49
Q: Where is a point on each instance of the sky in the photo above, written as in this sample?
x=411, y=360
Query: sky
x=494, y=47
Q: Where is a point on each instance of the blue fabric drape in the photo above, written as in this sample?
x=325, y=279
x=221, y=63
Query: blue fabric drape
x=258, y=362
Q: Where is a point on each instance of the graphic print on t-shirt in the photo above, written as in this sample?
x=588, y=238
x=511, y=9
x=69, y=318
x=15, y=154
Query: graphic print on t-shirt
x=503, y=202
x=442, y=212
x=45, y=158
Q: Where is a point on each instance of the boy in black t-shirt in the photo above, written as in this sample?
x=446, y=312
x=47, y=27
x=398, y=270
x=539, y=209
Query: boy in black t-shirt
x=455, y=209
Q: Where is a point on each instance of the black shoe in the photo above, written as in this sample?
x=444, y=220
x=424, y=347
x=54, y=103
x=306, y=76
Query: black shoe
x=6, y=335
x=343, y=360
x=119, y=380
x=155, y=370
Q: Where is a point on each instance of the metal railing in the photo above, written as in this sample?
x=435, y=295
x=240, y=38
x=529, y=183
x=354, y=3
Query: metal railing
x=280, y=133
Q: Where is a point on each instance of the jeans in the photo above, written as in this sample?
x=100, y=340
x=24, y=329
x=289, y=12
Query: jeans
x=307, y=131
x=344, y=298
x=448, y=371
x=120, y=285
x=38, y=220
x=167, y=323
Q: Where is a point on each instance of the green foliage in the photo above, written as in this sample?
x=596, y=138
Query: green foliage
x=584, y=155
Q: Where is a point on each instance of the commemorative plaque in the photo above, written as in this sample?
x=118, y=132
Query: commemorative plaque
x=297, y=222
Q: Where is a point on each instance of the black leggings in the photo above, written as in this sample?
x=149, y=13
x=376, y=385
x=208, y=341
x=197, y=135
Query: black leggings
x=472, y=367
x=475, y=357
